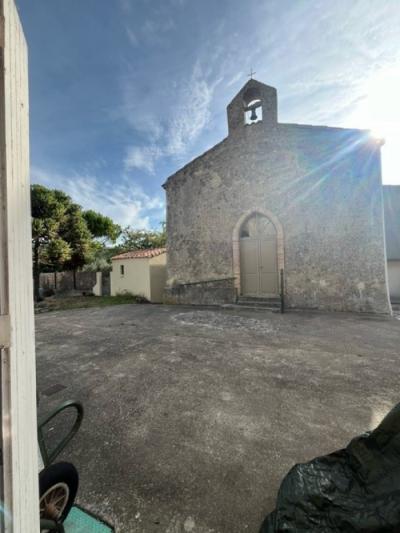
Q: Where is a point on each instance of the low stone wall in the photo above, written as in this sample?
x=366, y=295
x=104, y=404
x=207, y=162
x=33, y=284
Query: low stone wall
x=210, y=292
x=64, y=281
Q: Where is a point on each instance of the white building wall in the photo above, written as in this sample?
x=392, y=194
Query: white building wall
x=158, y=277
x=135, y=279
x=97, y=289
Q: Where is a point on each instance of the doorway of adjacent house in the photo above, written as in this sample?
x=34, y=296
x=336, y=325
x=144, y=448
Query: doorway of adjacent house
x=258, y=257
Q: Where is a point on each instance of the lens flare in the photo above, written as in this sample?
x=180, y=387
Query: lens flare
x=379, y=111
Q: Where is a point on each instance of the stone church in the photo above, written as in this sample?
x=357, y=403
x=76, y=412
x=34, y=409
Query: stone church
x=278, y=209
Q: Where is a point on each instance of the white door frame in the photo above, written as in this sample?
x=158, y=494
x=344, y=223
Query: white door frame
x=17, y=342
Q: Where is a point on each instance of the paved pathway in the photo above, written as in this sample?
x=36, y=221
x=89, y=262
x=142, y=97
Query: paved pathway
x=194, y=415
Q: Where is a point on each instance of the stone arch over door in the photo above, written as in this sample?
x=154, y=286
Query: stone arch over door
x=236, y=242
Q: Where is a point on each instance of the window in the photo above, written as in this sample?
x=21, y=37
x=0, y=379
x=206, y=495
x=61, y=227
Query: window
x=122, y=269
x=257, y=227
x=249, y=228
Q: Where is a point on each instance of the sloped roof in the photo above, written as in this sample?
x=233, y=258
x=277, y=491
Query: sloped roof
x=141, y=254
x=250, y=84
x=391, y=203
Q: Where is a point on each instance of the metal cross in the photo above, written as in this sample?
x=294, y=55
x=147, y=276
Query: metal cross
x=251, y=73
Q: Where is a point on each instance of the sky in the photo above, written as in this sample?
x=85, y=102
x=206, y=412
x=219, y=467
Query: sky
x=125, y=92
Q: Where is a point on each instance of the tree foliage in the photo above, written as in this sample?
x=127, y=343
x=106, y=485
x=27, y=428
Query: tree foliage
x=77, y=234
x=101, y=260
x=101, y=226
x=48, y=212
x=142, y=239
x=63, y=235
x=56, y=253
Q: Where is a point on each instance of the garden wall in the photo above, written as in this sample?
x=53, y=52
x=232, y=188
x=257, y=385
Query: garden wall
x=64, y=281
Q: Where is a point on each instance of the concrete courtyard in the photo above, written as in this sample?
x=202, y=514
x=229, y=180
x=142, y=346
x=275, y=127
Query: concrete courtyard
x=194, y=415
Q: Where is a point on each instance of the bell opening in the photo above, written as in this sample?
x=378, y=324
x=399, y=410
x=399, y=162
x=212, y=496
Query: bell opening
x=253, y=112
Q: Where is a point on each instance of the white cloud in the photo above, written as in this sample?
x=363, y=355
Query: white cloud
x=142, y=157
x=186, y=119
x=235, y=78
x=126, y=5
x=153, y=31
x=133, y=39
x=192, y=113
x=125, y=203
x=153, y=27
x=178, y=3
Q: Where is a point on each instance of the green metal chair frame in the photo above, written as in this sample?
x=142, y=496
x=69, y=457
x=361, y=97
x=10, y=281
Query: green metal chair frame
x=49, y=456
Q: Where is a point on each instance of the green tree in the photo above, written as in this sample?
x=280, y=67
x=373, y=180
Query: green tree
x=56, y=253
x=49, y=208
x=75, y=232
x=142, y=239
x=101, y=260
x=101, y=226
x=105, y=232
x=63, y=235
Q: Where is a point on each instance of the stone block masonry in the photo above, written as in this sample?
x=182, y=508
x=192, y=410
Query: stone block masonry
x=319, y=186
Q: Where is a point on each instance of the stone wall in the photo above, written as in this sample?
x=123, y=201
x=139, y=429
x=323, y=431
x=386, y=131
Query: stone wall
x=64, y=281
x=322, y=184
x=212, y=292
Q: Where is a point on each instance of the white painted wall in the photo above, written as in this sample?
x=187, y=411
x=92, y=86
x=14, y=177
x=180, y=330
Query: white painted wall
x=145, y=277
x=394, y=280
x=97, y=288
x=17, y=342
x=135, y=280
x=158, y=277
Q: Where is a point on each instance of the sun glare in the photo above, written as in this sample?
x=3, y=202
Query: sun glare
x=379, y=111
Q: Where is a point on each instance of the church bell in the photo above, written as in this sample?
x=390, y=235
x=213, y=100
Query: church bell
x=253, y=114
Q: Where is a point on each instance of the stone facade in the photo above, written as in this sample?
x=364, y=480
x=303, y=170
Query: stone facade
x=320, y=187
x=202, y=293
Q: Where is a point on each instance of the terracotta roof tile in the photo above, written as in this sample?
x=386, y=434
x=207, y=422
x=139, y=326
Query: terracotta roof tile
x=141, y=254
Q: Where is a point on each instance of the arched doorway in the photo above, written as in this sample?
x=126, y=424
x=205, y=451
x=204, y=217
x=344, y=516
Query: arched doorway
x=258, y=257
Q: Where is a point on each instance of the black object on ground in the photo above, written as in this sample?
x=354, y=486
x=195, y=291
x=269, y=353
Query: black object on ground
x=58, y=485
x=353, y=489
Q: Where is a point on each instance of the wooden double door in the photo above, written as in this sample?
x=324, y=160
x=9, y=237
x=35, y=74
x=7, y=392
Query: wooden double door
x=258, y=257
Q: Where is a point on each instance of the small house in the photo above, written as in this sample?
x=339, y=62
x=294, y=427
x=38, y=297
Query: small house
x=140, y=272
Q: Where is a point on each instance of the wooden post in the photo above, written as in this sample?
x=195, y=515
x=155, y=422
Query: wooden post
x=18, y=381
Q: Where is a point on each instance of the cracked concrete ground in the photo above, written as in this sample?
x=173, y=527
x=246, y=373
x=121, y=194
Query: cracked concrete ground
x=194, y=415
